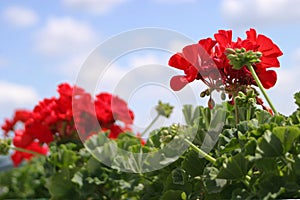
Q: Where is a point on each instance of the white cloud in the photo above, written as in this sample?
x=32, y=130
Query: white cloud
x=64, y=36
x=20, y=16
x=260, y=12
x=97, y=7
x=14, y=96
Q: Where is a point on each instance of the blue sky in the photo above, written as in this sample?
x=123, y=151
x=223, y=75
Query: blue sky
x=44, y=44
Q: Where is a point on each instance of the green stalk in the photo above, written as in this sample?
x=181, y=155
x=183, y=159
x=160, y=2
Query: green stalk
x=202, y=153
x=27, y=151
x=236, y=110
x=151, y=124
x=262, y=89
x=248, y=113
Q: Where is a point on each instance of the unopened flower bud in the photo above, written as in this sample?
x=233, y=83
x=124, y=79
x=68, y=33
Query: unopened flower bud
x=241, y=94
x=229, y=51
x=203, y=94
x=251, y=101
x=211, y=103
x=4, y=146
x=258, y=54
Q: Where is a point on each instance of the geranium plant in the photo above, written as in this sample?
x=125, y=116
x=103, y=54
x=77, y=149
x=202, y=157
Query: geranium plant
x=256, y=156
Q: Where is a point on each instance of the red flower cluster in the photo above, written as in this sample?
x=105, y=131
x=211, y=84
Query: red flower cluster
x=207, y=61
x=55, y=119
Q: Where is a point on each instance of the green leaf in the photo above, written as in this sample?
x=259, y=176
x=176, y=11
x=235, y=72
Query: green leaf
x=297, y=98
x=269, y=145
x=211, y=182
x=188, y=115
x=178, y=176
x=77, y=178
x=287, y=136
x=63, y=156
x=295, y=117
x=177, y=180
x=172, y=194
x=232, y=145
x=296, y=165
x=235, y=167
x=262, y=116
x=279, y=120
x=240, y=193
x=193, y=164
x=60, y=186
x=270, y=186
x=267, y=165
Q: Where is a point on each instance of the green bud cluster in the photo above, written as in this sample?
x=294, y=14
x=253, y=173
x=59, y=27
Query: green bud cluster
x=4, y=146
x=241, y=57
x=248, y=98
x=169, y=133
x=164, y=109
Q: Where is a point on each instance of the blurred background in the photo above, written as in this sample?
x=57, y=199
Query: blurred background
x=45, y=43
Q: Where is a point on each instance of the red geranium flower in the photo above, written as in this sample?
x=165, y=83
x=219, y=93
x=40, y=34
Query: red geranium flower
x=270, y=53
x=196, y=62
x=54, y=119
x=19, y=156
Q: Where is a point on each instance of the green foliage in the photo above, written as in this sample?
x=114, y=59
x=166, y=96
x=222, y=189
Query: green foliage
x=258, y=158
x=297, y=98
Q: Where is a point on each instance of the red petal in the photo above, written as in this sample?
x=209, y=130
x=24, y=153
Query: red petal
x=178, y=82
x=17, y=158
x=22, y=139
x=191, y=53
x=224, y=38
x=39, y=131
x=251, y=34
x=267, y=47
x=22, y=115
x=267, y=78
x=207, y=44
x=115, y=131
x=267, y=62
x=179, y=62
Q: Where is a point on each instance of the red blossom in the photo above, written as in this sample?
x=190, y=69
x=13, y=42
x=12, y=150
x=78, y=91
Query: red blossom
x=19, y=156
x=22, y=139
x=198, y=62
x=54, y=119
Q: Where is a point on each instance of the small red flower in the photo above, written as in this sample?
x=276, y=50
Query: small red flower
x=115, y=131
x=111, y=108
x=39, y=131
x=196, y=63
x=22, y=139
x=19, y=156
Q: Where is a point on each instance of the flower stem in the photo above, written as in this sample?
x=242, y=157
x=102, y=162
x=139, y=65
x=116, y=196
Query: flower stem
x=262, y=88
x=27, y=151
x=151, y=124
x=236, y=110
x=202, y=153
x=248, y=113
